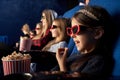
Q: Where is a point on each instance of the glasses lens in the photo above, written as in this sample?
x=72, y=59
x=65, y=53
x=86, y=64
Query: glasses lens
x=83, y=28
x=53, y=27
x=42, y=17
x=75, y=29
x=78, y=29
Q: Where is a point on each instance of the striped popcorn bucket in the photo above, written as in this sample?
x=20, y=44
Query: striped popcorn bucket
x=25, y=44
x=16, y=66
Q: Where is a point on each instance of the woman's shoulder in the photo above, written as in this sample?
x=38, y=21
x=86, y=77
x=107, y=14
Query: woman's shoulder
x=62, y=42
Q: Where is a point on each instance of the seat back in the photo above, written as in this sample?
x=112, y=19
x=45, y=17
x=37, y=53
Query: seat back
x=69, y=14
x=116, y=56
x=71, y=45
x=113, y=8
x=4, y=39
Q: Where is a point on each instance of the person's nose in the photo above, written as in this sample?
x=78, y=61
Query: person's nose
x=50, y=30
x=41, y=20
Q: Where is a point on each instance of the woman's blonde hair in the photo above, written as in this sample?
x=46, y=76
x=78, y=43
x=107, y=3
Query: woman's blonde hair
x=62, y=24
x=50, y=15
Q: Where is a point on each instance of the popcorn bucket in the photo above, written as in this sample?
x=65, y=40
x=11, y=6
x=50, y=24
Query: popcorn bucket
x=16, y=66
x=25, y=44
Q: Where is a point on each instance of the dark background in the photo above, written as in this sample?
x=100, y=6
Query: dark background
x=15, y=13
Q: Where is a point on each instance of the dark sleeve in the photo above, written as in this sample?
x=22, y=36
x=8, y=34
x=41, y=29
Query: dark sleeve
x=56, y=68
x=95, y=66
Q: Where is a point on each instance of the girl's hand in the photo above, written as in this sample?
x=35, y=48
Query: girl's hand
x=61, y=56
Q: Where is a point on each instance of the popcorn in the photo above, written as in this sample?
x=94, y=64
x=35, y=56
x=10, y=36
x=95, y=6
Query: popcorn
x=16, y=63
x=16, y=56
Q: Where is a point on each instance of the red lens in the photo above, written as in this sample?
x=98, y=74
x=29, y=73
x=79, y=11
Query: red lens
x=76, y=29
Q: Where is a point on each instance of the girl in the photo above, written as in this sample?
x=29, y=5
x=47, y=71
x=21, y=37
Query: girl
x=58, y=30
x=89, y=29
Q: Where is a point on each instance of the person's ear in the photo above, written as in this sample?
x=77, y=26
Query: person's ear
x=98, y=33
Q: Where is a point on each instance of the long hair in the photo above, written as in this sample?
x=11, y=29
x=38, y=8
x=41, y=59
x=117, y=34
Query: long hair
x=50, y=16
x=95, y=16
x=62, y=23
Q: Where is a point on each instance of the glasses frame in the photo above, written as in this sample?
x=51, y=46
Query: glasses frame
x=79, y=29
x=54, y=27
x=37, y=28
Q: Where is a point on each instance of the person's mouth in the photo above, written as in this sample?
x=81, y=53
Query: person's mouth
x=77, y=42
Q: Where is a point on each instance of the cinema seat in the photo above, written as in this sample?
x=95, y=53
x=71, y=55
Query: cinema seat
x=113, y=8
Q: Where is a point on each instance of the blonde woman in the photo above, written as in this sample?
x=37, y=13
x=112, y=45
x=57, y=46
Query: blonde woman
x=48, y=16
x=38, y=30
x=37, y=37
x=58, y=30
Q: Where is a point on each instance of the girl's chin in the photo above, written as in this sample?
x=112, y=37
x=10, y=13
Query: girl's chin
x=53, y=36
x=79, y=49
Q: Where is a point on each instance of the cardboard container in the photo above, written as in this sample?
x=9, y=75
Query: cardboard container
x=16, y=66
x=25, y=44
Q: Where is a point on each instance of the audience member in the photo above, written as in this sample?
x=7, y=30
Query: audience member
x=26, y=33
x=89, y=31
x=48, y=16
x=32, y=33
x=37, y=37
x=58, y=30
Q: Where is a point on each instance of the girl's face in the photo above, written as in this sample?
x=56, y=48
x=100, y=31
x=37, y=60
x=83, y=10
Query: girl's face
x=38, y=29
x=55, y=30
x=84, y=40
x=43, y=19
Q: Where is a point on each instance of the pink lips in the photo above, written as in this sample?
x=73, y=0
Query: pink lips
x=76, y=42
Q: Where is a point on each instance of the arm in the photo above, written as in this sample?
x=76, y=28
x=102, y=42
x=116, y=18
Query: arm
x=61, y=56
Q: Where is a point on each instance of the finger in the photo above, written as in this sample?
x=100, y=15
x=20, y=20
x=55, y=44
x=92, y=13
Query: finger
x=59, y=52
x=65, y=51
